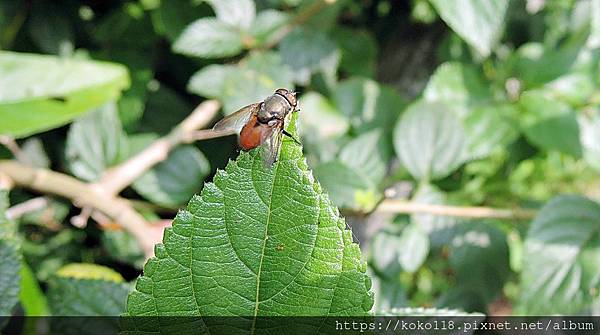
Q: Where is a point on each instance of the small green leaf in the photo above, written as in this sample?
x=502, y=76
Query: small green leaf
x=430, y=140
x=368, y=155
x=561, y=267
x=368, y=105
x=542, y=118
x=385, y=252
x=439, y=228
x=389, y=294
x=458, y=84
x=489, y=127
x=209, y=38
x=257, y=242
x=309, y=51
x=237, y=13
x=32, y=297
x=172, y=16
x=479, y=257
x=10, y=261
x=75, y=292
x=479, y=23
x=346, y=187
x=414, y=247
x=359, y=51
x=95, y=142
x=267, y=22
x=175, y=180
x=229, y=83
x=320, y=117
x=30, y=103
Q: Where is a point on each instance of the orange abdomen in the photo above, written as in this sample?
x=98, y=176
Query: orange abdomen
x=253, y=134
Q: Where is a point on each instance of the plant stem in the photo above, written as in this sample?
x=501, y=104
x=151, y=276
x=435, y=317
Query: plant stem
x=117, y=178
x=406, y=207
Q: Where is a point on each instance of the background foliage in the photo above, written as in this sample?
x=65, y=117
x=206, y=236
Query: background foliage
x=467, y=103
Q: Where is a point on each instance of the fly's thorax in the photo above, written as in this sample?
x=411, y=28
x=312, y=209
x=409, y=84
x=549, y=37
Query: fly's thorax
x=275, y=107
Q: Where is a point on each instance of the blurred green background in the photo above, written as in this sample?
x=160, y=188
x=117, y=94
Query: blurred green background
x=473, y=103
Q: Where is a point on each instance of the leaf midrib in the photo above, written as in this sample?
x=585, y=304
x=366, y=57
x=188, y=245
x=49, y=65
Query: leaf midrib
x=262, y=254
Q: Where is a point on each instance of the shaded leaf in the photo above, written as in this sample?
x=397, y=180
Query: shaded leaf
x=479, y=23
x=385, y=252
x=368, y=105
x=237, y=13
x=309, y=51
x=209, y=38
x=32, y=297
x=368, y=155
x=267, y=22
x=229, y=83
x=320, y=117
x=50, y=29
x=561, y=267
x=414, y=247
x=430, y=140
x=175, y=180
x=172, y=16
x=346, y=187
x=87, y=290
x=10, y=261
x=31, y=103
x=95, y=142
x=265, y=246
x=358, y=51
x=459, y=85
x=479, y=257
x=439, y=228
x=489, y=127
x=542, y=118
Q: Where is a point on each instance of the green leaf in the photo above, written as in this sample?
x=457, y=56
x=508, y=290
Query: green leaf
x=389, y=294
x=479, y=257
x=414, y=247
x=477, y=22
x=542, y=118
x=589, y=123
x=250, y=246
x=10, y=261
x=460, y=85
x=75, y=292
x=309, y=51
x=346, y=187
x=175, y=180
x=385, y=249
x=573, y=88
x=368, y=155
x=32, y=297
x=123, y=247
x=439, y=228
x=209, y=38
x=359, y=51
x=33, y=148
x=320, y=117
x=489, y=127
x=267, y=22
x=95, y=142
x=229, y=83
x=237, y=13
x=30, y=103
x=561, y=269
x=594, y=38
x=172, y=16
x=430, y=140
x=368, y=105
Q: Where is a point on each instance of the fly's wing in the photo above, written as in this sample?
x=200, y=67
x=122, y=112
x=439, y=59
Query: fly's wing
x=271, y=146
x=236, y=121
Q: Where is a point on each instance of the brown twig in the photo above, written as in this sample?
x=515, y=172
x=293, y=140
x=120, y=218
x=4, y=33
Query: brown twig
x=408, y=207
x=87, y=195
x=25, y=207
x=119, y=177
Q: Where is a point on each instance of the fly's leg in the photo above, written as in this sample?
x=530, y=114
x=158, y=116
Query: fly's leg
x=284, y=132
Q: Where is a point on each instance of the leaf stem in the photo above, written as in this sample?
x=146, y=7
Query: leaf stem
x=398, y=206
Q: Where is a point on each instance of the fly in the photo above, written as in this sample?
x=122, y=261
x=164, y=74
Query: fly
x=262, y=123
